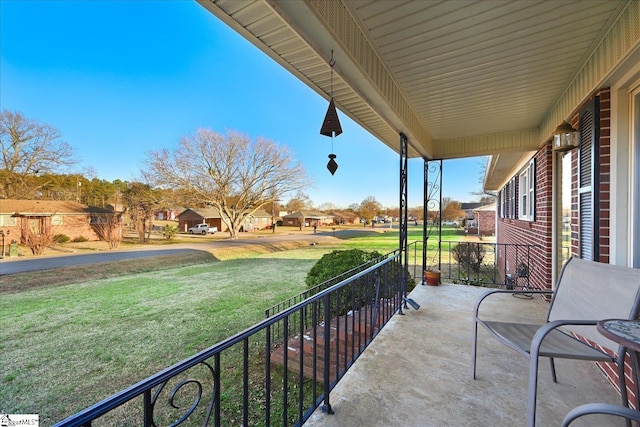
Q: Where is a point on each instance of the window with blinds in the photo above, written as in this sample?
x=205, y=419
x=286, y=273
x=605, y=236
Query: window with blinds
x=588, y=181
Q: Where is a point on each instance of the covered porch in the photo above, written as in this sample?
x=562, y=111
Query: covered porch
x=416, y=372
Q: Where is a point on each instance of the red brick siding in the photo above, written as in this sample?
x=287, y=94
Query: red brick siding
x=537, y=232
x=605, y=173
x=486, y=222
x=73, y=225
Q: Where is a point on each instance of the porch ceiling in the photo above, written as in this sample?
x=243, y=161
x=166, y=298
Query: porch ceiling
x=459, y=78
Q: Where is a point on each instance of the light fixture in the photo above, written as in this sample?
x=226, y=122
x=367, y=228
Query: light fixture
x=565, y=137
x=331, y=124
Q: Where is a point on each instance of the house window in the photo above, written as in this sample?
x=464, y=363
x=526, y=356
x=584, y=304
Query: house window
x=588, y=181
x=508, y=200
x=512, y=198
x=8, y=221
x=527, y=200
x=56, y=220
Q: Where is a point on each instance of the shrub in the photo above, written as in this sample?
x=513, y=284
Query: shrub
x=169, y=231
x=337, y=262
x=80, y=239
x=61, y=238
x=469, y=256
x=339, y=265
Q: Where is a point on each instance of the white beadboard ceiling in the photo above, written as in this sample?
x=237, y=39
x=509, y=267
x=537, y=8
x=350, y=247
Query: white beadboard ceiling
x=458, y=77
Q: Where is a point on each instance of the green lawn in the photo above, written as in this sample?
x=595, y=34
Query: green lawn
x=68, y=346
x=64, y=348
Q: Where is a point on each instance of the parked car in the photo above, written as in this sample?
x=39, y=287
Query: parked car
x=203, y=229
x=454, y=223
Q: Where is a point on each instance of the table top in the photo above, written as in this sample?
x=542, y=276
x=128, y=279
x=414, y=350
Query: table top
x=625, y=332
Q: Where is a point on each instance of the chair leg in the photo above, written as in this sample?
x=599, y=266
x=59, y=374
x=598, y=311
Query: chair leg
x=474, y=344
x=533, y=390
x=553, y=370
x=636, y=369
x=622, y=382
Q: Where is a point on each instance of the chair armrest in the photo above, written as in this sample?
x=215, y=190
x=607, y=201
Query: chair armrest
x=548, y=327
x=600, y=408
x=482, y=297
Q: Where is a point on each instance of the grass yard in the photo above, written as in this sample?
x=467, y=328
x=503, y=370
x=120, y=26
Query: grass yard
x=67, y=344
x=66, y=347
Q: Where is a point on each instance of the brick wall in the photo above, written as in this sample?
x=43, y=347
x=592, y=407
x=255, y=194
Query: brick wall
x=486, y=222
x=537, y=232
x=605, y=173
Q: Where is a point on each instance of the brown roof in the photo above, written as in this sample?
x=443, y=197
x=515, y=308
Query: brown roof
x=46, y=207
x=308, y=214
x=213, y=213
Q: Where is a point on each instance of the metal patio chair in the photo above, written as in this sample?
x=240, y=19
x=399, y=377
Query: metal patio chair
x=586, y=292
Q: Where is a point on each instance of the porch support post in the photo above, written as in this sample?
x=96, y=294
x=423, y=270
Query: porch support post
x=425, y=216
x=404, y=259
x=432, y=202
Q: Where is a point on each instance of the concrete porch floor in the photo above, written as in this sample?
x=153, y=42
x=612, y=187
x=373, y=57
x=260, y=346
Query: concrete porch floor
x=417, y=372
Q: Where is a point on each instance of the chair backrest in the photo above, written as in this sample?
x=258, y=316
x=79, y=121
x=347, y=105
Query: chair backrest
x=590, y=290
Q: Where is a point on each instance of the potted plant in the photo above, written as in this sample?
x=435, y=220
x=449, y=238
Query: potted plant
x=432, y=274
x=522, y=269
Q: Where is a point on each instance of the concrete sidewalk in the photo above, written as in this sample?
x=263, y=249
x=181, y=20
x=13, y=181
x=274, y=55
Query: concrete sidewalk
x=417, y=372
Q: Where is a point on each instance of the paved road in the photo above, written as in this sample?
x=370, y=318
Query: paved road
x=13, y=266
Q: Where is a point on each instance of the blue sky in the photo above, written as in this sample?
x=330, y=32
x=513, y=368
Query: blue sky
x=120, y=78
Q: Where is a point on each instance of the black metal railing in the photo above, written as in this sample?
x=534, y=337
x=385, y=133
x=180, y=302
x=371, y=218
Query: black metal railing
x=248, y=380
x=488, y=264
x=276, y=331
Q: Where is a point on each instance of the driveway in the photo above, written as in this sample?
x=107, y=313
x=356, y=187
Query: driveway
x=17, y=265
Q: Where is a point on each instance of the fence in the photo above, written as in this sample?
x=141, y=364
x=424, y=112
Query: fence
x=486, y=264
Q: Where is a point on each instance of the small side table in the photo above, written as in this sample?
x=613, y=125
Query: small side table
x=627, y=334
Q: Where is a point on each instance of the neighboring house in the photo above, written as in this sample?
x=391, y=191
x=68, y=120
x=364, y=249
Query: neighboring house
x=166, y=214
x=483, y=221
x=469, y=210
x=259, y=220
x=307, y=219
x=69, y=218
x=345, y=217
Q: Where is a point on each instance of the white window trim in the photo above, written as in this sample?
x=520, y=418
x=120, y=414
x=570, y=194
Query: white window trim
x=527, y=192
x=8, y=220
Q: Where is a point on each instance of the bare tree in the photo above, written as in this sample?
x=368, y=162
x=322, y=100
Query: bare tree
x=142, y=201
x=327, y=207
x=108, y=227
x=451, y=209
x=486, y=197
x=37, y=233
x=299, y=202
x=28, y=148
x=231, y=173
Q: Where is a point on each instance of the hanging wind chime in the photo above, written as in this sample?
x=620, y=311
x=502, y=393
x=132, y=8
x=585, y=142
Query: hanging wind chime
x=331, y=125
